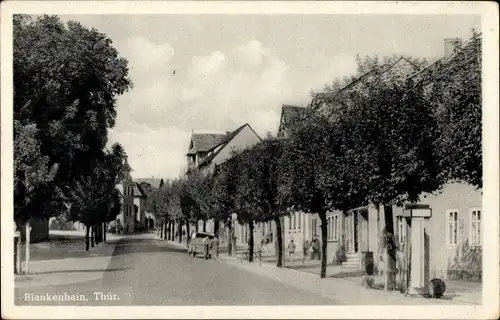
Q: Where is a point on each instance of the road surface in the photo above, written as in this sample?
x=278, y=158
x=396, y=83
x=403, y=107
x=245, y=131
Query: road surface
x=152, y=272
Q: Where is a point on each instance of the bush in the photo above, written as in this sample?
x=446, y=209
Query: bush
x=466, y=264
x=340, y=255
x=54, y=225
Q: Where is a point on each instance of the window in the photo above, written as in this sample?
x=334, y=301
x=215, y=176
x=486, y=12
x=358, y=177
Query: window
x=313, y=227
x=289, y=219
x=335, y=227
x=301, y=215
x=475, y=227
x=295, y=221
x=452, y=227
x=401, y=229
x=329, y=228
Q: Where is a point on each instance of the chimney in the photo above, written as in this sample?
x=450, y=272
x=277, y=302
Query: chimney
x=451, y=45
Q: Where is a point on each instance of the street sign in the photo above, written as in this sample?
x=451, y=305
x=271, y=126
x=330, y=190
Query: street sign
x=417, y=213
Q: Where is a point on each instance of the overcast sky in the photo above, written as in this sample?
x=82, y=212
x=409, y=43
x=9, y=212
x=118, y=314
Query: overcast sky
x=231, y=70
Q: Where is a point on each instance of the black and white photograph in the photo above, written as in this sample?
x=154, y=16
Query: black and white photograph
x=233, y=155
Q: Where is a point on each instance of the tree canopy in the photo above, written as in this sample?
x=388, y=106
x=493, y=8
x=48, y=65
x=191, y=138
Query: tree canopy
x=66, y=82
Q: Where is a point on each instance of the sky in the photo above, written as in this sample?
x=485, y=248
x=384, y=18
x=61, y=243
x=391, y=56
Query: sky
x=237, y=69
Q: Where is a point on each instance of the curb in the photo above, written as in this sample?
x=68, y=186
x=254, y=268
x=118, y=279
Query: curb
x=59, y=277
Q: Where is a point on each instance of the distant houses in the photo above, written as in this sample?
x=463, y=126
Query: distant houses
x=132, y=217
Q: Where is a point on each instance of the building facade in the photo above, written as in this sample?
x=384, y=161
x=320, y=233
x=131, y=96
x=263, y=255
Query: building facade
x=208, y=151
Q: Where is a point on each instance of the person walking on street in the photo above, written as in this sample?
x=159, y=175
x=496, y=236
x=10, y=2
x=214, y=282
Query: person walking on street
x=291, y=250
x=316, y=248
x=215, y=248
x=205, y=247
x=306, y=252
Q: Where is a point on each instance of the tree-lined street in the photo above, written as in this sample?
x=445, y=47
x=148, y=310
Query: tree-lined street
x=395, y=129
x=150, y=272
x=143, y=270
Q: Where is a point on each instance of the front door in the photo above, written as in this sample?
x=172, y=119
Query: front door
x=351, y=232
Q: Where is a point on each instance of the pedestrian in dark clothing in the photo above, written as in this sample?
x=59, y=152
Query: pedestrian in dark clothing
x=316, y=248
x=305, y=252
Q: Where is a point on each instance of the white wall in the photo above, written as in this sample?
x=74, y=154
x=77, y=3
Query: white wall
x=244, y=139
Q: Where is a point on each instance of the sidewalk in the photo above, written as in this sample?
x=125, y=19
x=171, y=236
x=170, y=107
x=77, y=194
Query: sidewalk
x=64, y=260
x=348, y=289
x=465, y=292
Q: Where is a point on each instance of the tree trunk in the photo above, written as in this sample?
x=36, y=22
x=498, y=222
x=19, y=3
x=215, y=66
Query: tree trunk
x=390, y=249
x=229, y=239
x=204, y=226
x=104, y=231
x=180, y=230
x=279, y=242
x=99, y=233
x=196, y=227
x=92, y=236
x=250, y=241
x=161, y=229
x=380, y=250
x=87, y=240
x=164, y=230
x=216, y=227
x=171, y=231
x=96, y=234
x=324, y=243
x=187, y=232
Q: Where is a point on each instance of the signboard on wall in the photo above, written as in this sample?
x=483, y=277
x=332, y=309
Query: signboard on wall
x=417, y=213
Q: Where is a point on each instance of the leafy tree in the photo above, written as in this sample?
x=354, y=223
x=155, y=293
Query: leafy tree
x=94, y=198
x=454, y=90
x=303, y=162
x=223, y=189
x=35, y=193
x=391, y=136
x=257, y=197
x=66, y=81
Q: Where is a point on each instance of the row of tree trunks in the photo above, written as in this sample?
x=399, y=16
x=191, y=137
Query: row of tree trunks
x=94, y=235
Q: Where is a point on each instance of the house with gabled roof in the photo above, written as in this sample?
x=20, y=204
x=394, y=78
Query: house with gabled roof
x=207, y=151
x=290, y=116
x=154, y=183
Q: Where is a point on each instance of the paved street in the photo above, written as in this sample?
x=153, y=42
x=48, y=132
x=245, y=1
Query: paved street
x=152, y=272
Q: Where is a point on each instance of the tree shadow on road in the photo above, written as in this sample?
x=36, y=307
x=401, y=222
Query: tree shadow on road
x=83, y=270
